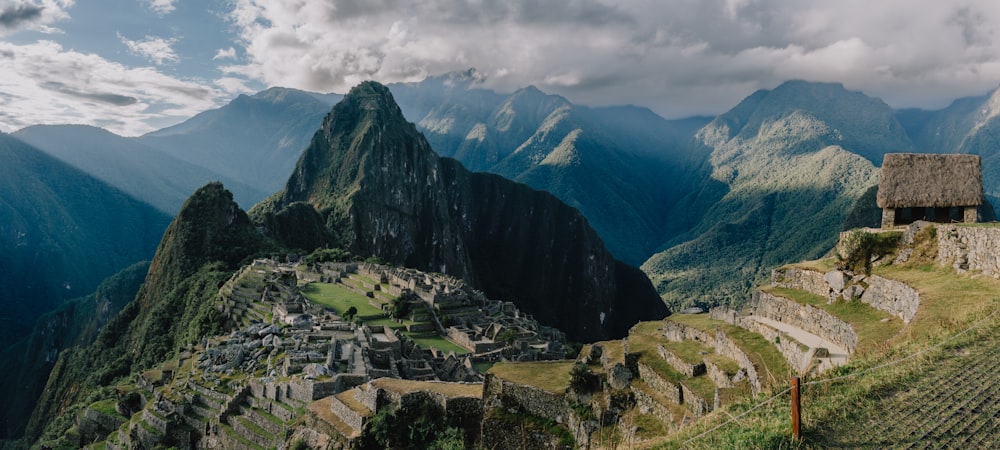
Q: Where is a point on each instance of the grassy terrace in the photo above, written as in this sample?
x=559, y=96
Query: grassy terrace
x=339, y=299
x=866, y=320
x=948, y=301
x=552, y=376
x=771, y=366
x=446, y=389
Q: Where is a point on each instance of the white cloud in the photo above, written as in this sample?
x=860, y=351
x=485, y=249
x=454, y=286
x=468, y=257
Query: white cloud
x=43, y=83
x=161, y=7
x=225, y=53
x=155, y=49
x=678, y=56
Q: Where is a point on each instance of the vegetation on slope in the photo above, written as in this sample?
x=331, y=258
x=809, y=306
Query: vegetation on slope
x=917, y=372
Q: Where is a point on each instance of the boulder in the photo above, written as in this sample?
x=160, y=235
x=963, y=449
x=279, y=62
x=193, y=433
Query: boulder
x=836, y=279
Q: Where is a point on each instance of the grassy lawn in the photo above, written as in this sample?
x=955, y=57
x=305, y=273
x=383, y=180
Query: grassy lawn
x=426, y=340
x=552, y=376
x=339, y=298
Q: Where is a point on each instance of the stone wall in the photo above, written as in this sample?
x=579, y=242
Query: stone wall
x=798, y=357
x=806, y=317
x=532, y=400
x=647, y=405
x=684, y=367
x=678, y=332
x=892, y=296
x=668, y=389
x=970, y=248
x=804, y=280
x=698, y=405
x=717, y=375
x=726, y=347
x=348, y=415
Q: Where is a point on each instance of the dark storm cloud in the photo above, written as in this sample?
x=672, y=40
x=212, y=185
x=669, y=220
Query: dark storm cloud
x=14, y=15
x=111, y=99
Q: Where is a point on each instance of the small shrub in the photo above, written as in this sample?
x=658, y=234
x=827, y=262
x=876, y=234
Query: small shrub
x=863, y=248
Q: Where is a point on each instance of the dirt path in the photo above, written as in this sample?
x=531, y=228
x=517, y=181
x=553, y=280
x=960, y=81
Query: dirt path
x=838, y=354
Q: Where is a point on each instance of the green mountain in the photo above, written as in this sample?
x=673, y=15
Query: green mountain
x=254, y=140
x=379, y=187
x=61, y=233
x=206, y=242
x=25, y=365
x=787, y=166
x=145, y=173
x=629, y=171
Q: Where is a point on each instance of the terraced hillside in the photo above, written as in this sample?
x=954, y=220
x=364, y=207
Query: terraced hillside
x=923, y=372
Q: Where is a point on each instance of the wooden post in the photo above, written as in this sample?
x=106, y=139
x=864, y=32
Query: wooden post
x=796, y=412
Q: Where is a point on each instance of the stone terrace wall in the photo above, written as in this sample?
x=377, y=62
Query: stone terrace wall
x=805, y=280
x=668, y=389
x=796, y=356
x=892, y=296
x=726, y=347
x=532, y=400
x=806, y=317
x=970, y=248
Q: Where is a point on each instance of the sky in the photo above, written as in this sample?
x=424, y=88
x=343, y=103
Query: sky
x=134, y=66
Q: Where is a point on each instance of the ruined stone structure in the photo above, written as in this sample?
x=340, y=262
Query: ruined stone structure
x=929, y=186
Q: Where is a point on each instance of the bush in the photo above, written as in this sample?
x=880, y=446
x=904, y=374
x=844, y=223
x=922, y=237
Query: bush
x=863, y=248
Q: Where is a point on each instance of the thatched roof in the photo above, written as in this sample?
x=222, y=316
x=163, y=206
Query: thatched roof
x=930, y=180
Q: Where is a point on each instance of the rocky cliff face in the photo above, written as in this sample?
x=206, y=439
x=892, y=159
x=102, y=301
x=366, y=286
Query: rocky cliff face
x=375, y=180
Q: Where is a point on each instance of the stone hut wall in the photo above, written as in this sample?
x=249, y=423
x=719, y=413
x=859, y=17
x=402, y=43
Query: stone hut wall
x=892, y=296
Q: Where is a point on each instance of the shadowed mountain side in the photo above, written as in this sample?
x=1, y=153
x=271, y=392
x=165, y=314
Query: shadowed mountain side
x=143, y=172
x=25, y=365
x=374, y=178
x=61, y=233
x=625, y=168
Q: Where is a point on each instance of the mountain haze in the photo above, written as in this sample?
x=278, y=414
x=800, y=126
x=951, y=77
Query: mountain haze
x=141, y=171
x=254, y=139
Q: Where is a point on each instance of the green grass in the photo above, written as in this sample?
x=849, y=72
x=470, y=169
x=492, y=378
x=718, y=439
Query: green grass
x=551, y=376
x=771, y=366
x=339, y=299
x=425, y=340
x=690, y=352
x=483, y=367
x=863, y=318
x=106, y=407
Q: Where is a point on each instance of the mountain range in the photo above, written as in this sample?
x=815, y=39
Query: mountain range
x=706, y=205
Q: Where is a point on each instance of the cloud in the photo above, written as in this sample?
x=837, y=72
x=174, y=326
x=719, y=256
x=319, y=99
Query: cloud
x=225, y=53
x=19, y=14
x=162, y=7
x=677, y=56
x=43, y=83
x=14, y=15
x=156, y=50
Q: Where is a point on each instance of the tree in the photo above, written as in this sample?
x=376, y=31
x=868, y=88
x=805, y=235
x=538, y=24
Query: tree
x=350, y=313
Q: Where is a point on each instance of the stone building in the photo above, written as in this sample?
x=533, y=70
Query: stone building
x=934, y=187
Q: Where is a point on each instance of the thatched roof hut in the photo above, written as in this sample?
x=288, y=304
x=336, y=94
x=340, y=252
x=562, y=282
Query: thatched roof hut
x=911, y=180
